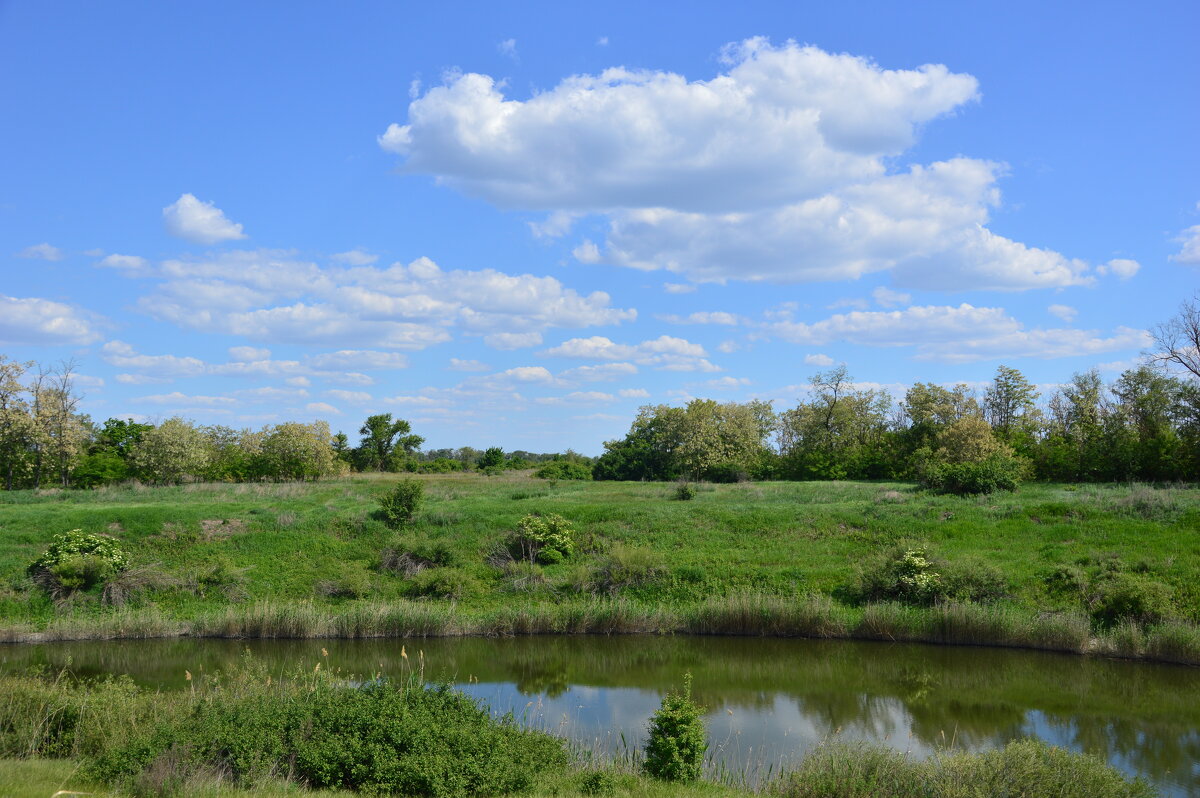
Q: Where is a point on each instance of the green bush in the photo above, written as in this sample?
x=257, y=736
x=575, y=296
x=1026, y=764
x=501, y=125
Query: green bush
x=401, y=503
x=443, y=583
x=597, y=782
x=1129, y=597
x=546, y=539
x=564, y=469
x=999, y=471
x=623, y=567
x=383, y=737
x=904, y=575
x=685, y=491
x=77, y=561
x=676, y=745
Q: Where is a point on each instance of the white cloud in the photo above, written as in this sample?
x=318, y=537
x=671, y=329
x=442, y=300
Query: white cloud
x=355, y=257
x=1064, y=312
x=361, y=359
x=457, y=364
x=42, y=252
x=199, y=222
x=602, y=41
x=556, y=225
x=1189, y=252
x=678, y=288
x=705, y=317
x=587, y=252
x=578, y=397
x=35, y=321
x=131, y=265
x=88, y=381
x=1121, y=267
x=271, y=296
x=665, y=353
x=271, y=394
x=824, y=361
x=245, y=354
x=349, y=397
x=726, y=383
x=600, y=373
x=140, y=379
x=779, y=169
x=534, y=374
x=727, y=347
x=887, y=298
x=508, y=49
x=177, y=399
x=322, y=408
x=508, y=341
x=634, y=393
x=298, y=382
x=955, y=334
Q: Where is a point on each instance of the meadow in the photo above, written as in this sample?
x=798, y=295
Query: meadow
x=803, y=558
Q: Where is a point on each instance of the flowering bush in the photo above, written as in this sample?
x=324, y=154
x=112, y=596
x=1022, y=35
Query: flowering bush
x=546, y=539
x=78, y=560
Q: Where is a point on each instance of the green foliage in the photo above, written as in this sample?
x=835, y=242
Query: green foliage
x=685, y=491
x=675, y=746
x=386, y=445
x=1130, y=597
x=382, y=737
x=444, y=583
x=998, y=471
x=169, y=453
x=401, y=504
x=546, y=539
x=911, y=576
x=564, y=469
x=492, y=458
x=597, y=782
x=78, y=560
x=100, y=468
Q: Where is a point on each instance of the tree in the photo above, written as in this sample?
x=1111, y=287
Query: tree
x=1178, y=339
x=16, y=422
x=382, y=440
x=839, y=433
x=1010, y=405
x=492, y=458
x=169, y=452
x=298, y=451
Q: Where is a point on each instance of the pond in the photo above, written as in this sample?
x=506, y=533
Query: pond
x=768, y=700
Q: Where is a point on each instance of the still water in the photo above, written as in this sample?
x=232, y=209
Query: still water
x=768, y=700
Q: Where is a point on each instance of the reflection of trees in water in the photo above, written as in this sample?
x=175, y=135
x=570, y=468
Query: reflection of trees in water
x=1146, y=748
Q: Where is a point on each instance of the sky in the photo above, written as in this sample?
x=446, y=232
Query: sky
x=514, y=224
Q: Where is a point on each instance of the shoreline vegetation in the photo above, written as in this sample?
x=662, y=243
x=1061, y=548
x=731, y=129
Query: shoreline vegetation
x=1107, y=570
x=252, y=730
x=745, y=615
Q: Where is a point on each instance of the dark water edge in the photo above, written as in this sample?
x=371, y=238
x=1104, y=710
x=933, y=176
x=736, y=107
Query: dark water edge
x=768, y=700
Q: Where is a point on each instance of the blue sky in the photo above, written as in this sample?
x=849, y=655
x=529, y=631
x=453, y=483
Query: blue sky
x=514, y=224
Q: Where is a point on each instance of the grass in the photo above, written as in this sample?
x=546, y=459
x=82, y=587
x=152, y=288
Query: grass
x=59, y=733
x=304, y=560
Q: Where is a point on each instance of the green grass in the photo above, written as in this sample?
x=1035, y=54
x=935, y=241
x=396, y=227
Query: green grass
x=764, y=558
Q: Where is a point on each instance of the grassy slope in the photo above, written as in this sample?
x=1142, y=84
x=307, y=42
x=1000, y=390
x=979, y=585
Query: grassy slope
x=772, y=538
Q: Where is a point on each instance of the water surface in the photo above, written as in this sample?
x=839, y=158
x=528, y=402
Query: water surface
x=768, y=700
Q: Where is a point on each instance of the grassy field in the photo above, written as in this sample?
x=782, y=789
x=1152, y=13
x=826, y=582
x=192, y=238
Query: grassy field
x=775, y=558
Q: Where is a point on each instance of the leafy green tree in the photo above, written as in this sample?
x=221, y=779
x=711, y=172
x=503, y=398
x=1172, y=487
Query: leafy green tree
x=382, y=439
x=1010, y=406
x=16, y=423
x=839, y=433
x=170, y=452
x=491, y=459
x=676, y=744
x=294, y=451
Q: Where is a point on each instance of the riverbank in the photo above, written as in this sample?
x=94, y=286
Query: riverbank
x=783, y=559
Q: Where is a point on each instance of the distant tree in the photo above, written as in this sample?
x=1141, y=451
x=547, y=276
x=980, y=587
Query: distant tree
x=384, y=438
x=1177, y=340
x=294, y=451
x=170, y=452
x=119, y=436
x=492, y=458
x=1010, y=405
x=839, y=433
x=16, y=423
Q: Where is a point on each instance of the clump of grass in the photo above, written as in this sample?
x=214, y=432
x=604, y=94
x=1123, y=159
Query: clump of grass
x=620, y=568
x=759, y=614
x=1023, y=767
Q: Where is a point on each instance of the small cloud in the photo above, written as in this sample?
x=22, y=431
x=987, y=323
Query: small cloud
x=508, y=49
x=857, y=304
x=248, y=354
x=130, y=264
x=886, y=297
x=587, y=252
x=298, y=382
x=507, y=341
x=556, y=225
x=1064, y=312
x=202, y=222
x=634, y=393
x=824, y=361
x=42, y=252
x=351, y=397
x=322, y=407
x=728, y=346
x=726, y=383
x=467, y=365
x=602, y=41
x=678, y=288
x=1125, y=268
x=355, y=257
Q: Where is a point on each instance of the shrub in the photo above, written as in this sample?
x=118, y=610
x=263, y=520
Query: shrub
x=727, y=473
x=443, y=583
x=401, y=503
x=625, y=567
x=383, y=737
x=564, y=469
x=545, y=539
x=971, y=580
x=676, y=745
x=77, y=561
x=904, y=575
x=1129, y=597
x=597, y=782
x=998, y=471
x=685, y=491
